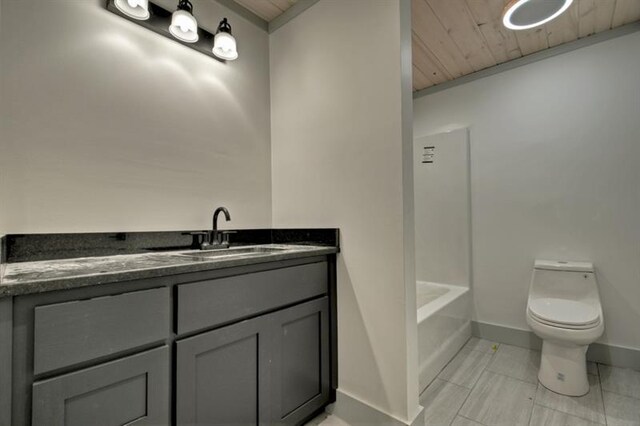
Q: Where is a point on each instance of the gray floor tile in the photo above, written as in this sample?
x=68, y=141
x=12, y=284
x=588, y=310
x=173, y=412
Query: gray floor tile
x=622, y=381
x=462, y=421
x=465, y=368
x=481, y=345
x=441, y=402
x=326, y=419
x=588, y=407
x=621, y=410
x=499, y=400
x=519, y=363
x=542, y=416
x=592, y=368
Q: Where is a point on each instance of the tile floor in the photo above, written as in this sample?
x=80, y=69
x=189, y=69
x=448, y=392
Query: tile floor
x=488, y=384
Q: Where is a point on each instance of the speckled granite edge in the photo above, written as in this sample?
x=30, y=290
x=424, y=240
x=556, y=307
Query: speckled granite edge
x=3, y=256
x=37, y=247
x=46, y=285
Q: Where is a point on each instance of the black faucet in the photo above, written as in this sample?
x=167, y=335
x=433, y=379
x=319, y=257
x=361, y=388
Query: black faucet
x=215, y=241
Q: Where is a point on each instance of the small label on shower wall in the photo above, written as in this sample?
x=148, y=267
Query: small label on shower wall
x=428, y=152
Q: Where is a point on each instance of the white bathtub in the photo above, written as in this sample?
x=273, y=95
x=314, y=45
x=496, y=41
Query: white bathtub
x=444, y=325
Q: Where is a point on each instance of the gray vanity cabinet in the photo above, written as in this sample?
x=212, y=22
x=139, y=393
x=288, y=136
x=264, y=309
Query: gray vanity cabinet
x=132, y=391
x=300, y=381
x=249, y=345
x=273, y=369
x=222, y=376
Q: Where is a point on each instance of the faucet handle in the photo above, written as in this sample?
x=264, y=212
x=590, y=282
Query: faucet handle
x=196, y=240
x=225, y=235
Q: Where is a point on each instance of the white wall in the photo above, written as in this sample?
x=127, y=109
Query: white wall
x=108, y=126
x=442, y=203
x=554, y=152
x=337, y=150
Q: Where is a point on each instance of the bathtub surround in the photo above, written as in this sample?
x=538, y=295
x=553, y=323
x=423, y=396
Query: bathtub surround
x=444, y=326
x=340, y=128
x=443, y=208
x=554, y=175
x=117, y=151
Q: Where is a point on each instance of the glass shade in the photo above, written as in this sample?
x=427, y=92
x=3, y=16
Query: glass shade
x=224, y=46
x=136, y=9
x=184, y=26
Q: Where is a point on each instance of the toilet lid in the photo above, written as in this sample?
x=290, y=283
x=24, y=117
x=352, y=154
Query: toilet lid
x=563, y=311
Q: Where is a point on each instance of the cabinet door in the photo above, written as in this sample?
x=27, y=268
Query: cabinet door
x=300, y=361
x=223, y=375
x=131, y=391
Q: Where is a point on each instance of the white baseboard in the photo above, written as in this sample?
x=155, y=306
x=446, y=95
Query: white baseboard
x=358, y=413
x=617, y=356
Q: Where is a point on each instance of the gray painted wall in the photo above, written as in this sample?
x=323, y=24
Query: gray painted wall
x=107, y=126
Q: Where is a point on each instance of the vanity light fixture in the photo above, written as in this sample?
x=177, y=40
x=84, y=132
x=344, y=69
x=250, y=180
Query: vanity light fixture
x=136, y=9
x=526, y=14
x=184, y=26
x=180, y=26
x=224, y=44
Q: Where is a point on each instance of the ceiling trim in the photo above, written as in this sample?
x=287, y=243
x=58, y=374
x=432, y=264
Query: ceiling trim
x=245, y=13
x=295, y=10
x=286, y=16
x=534, y=57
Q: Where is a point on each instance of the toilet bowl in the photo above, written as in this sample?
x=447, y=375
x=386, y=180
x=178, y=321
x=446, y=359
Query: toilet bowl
x=564, y=310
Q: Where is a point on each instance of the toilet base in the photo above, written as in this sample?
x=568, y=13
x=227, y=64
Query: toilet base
x=563, y=368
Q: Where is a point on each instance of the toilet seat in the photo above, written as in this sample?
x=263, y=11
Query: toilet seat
x=564, y=313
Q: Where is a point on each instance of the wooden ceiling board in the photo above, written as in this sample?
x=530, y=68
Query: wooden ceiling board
x=625, y=12
x=453, y=38
x=501, y=42
x=586, y=17
x=532, y=40
x=564, y=28
x=426, y=62
x=419, y=79
x=604, y=15
x=435, y=38
x=455, y=17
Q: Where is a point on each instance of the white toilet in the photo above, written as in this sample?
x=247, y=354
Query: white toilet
x=564, y=310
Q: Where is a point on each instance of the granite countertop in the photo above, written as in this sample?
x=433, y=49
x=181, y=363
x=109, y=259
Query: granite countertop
x=48, y=275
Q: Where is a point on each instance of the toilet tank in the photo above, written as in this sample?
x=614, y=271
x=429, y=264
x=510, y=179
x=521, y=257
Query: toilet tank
x=564, y=280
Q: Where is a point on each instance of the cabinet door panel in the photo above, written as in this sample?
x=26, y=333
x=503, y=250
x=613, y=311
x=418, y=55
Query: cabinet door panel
x=300, y=366
x=222, y=374
x=132, y=390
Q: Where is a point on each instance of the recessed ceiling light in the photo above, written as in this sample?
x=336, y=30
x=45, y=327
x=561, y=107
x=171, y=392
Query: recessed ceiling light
x=525, y=14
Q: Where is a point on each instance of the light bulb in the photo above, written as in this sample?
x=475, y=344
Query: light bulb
x=136, y=9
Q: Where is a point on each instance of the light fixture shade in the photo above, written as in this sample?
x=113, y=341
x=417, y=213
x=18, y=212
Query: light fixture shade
x=184, y=26
x=136, y=9
x=526, y=14
x=224, y=44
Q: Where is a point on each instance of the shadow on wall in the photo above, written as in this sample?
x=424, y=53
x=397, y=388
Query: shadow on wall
x=352, y=323
x=159, y=60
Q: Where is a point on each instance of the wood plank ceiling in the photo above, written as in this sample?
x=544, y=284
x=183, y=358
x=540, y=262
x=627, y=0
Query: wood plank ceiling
x=452, y=38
